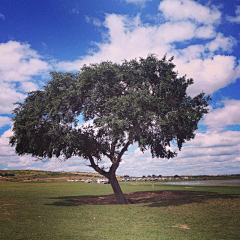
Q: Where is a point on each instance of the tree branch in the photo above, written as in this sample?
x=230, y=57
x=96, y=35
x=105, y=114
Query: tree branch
x=96, y=167
x=124, y=149
x=113, y=147
x=105, y=153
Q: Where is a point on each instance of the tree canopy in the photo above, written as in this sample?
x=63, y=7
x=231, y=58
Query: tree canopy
x=141, y=102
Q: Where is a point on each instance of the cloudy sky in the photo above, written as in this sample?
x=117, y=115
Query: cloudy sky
x=37, y=37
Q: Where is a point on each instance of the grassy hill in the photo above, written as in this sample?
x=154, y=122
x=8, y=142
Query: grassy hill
x=32, y=175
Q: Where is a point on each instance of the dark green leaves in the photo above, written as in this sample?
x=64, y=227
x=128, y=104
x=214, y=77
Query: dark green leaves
x=139, y=101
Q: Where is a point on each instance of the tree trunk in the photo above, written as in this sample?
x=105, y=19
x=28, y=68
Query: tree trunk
x=117, y=190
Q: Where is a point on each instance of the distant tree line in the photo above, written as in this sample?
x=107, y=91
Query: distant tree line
x=7, y=174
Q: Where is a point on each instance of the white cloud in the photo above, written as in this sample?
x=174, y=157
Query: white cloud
x=8, y=96
x=4, y=121
x=186, y=9
x=128, y=38
x=235, y=19
x=218, y=119
x=210, y=70
x=216, y=140
x=72, y=164
x=28, y=86
x=5, y=149
x=10, y=159
x=209, y=74
x=18, y=62
x=221, y=43
x=190, y=53
x=176, y=32
x=212, y=153
x=205, y=32
x=208, y=153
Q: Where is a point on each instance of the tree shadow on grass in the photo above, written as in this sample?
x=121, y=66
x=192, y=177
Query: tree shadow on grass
x=150, y=198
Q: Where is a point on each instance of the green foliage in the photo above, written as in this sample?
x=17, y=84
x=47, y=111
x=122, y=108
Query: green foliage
x=139, y=101
x=30, y=173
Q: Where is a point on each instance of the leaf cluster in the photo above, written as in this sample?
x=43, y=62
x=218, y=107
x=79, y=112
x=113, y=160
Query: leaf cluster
x=139, y=101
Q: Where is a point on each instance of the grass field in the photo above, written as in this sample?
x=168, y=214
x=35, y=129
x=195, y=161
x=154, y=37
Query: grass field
x=51, y=210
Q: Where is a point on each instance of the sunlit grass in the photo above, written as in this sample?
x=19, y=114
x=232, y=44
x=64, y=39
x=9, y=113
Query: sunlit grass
x=43, y=211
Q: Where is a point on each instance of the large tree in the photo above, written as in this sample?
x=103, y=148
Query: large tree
x=141, y=102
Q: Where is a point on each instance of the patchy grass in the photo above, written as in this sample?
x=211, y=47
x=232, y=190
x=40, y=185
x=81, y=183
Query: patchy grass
x=56, y=210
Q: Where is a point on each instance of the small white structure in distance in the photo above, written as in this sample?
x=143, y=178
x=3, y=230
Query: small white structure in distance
x=102, y=180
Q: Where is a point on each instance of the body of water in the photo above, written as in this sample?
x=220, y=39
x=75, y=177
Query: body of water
x=232, y=182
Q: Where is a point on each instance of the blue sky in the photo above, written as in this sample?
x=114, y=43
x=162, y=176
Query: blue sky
x=61, y=35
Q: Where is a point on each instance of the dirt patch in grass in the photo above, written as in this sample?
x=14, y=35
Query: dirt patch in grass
x=134, y=198
x=150, y=198
x=184, y=226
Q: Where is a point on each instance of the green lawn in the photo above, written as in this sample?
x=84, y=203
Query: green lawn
x=49, y=211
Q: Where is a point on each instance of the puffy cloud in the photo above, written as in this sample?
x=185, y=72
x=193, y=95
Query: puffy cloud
x=28, y=86
x=218, y=119
x=73, y=164
x=210, y=70
x=221, y=43
x=207, y=153
x=216, y=140
x=204, y=51
x=129, y=38
x=212, y=153
x=10, y=159
x=176, y=32
x=235, y=19
x=8, y=96
x=190, y=53
x=4, y=121
x=209, y=74
x=187, y=9
x=126, y=38
x=205, y=32
x=7, y=153
x=18, y=62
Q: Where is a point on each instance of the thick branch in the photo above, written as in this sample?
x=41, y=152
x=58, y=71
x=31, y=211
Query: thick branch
x=107, y=155
x=103, y=150
x=113, y=147
x=124, y=149
x=114, y=167
x=116, y=160
x=96, y=167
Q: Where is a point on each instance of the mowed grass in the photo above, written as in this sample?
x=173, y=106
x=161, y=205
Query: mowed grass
x=50, y=211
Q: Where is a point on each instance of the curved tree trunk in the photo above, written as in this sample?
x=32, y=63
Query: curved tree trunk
x=121, y=199
x=111, y=175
